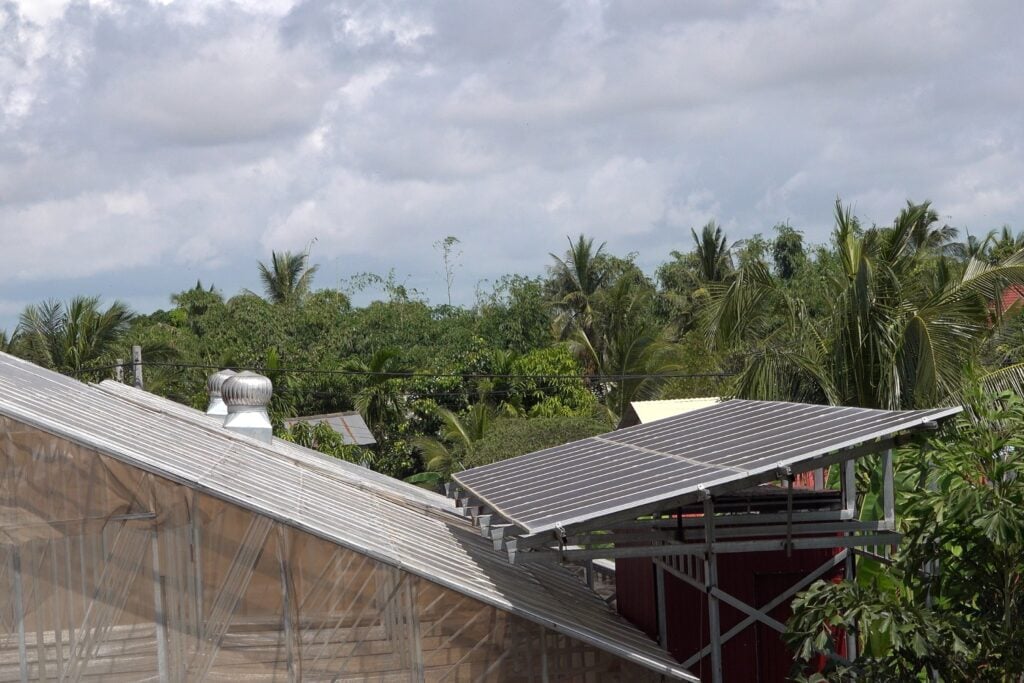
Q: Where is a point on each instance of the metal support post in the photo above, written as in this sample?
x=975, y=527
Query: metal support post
x=888, y=497
x=119, y=370
x=710, y=584
x=848, y=480
x=158, y=608
x=789, y=513
x=137, y=366
x=830, y=564
x=19, y=611
x=659, y=596
x=848, y=485
x=543, y=655
x=888, y=489
x=292, y=656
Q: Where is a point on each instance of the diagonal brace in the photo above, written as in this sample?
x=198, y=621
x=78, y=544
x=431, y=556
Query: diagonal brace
x=759, y=615
x=824, y=568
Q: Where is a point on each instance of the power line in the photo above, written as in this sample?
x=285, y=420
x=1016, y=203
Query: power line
x=415, y=395
x=425, y=375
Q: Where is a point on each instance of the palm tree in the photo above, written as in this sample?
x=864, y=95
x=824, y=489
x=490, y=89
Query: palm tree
x=288, y=278
x=633, y=365
x=626, y=351
x=458, y=437
x=577, y=278
x=714, y=258
x=972, y=247
x=8, y=343
x=925, y=232
x=380, y=401
x=903, y=329
x=500, y=390
x=69, y=337
x=1005, y=242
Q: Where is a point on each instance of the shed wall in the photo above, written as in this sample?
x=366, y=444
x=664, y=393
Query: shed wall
x=108, y=572
x=755, y=655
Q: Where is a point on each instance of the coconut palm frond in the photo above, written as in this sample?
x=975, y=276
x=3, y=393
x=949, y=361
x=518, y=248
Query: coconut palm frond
x=1010, y=378
x=68, y=336
x=288, y=278
x=743, y=308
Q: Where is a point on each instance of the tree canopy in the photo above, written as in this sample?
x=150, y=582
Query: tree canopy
x=912, y=314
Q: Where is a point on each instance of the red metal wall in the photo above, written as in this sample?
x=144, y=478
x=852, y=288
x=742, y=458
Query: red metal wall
x=757, y=654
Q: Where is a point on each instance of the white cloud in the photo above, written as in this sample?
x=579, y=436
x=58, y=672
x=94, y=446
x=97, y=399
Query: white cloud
x=361, y=87
x=238, y=89
x=78, y=237
x=370, y=24
x=190, y=138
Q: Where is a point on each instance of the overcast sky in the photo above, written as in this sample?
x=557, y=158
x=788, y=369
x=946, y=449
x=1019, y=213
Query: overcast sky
x=144, y=145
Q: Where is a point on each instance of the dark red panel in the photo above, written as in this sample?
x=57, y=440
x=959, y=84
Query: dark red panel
x=757, y=654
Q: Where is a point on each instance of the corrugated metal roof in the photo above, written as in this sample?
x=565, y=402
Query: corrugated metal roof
x=733, y=443
x=350, y=425
x=349, y=473
x=649, y=411
x=319, y=495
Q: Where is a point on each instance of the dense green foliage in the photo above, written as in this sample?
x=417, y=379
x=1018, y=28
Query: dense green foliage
x=953, y=600
x=510, y=436
x=895, y=316
x=901, y=325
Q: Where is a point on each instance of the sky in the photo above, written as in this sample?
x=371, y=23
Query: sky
x=147, y=144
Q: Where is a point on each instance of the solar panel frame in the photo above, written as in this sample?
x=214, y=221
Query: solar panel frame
x=730, y=445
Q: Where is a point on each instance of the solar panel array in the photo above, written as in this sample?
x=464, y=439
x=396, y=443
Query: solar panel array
x=724, y=444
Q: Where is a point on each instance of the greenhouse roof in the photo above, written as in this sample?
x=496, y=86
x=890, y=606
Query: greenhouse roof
x=387, y=520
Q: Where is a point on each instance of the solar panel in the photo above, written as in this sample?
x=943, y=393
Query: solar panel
x=735, y=442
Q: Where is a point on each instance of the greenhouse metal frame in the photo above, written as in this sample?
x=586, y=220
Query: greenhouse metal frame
x=141, y=541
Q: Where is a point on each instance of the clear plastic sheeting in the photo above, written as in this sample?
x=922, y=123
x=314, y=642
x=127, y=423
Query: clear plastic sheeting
x=109, y=572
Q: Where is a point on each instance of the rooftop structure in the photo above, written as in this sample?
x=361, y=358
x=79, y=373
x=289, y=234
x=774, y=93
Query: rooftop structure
x=649, y=411
x=667, y=463
x=142, y=539
x=350, y=425
x=682, y=490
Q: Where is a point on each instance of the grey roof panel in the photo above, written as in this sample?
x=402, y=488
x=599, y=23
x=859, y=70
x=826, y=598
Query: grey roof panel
x=727, y=444
x=350, y=473
x=350, y=425
x=320, y=495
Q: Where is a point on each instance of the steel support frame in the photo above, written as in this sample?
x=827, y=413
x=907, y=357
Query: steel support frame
x=711, y=587
x=731, y=600
x=666, y=537
x=755, y=614
x=706, y=531
x=726, y=520
x=723, y=531
x=699, y=549
x=660, y=602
